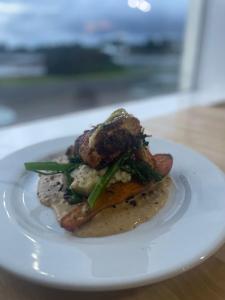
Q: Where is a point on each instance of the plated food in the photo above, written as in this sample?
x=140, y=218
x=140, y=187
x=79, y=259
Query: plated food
x=155, y=250
x=108, y=181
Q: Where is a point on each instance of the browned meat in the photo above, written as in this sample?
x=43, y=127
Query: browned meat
x=117, y=193
x=103, y=144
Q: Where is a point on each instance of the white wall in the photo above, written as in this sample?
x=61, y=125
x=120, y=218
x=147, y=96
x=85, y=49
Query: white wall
x=204, y=52
x=192, y=43
x=211, y=73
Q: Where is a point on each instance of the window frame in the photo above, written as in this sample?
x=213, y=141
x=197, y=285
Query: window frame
x=203, y=61
x=192, y=48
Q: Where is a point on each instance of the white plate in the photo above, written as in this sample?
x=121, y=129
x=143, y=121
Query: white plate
x=185, y=232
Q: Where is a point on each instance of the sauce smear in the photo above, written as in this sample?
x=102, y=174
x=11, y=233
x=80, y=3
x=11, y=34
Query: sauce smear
x=112, y=220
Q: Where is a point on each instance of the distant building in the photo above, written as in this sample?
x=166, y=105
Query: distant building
x=122, y=54
x=15, y=64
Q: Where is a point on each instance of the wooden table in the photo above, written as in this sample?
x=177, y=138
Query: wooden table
x=203, y=129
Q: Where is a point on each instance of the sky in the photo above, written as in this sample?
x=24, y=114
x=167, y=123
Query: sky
x=39, y=22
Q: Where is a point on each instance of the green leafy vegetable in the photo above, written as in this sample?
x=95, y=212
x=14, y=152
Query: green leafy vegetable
x=50, y=166
x=117, y=113
x=143, y=141
x=73, y=197
x=69, y=178
x=75, y=160
x=141, y=170
x=104, y=180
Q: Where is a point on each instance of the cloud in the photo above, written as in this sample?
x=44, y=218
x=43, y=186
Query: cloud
x=11, y=8
x=98, y=26
x=33, y=22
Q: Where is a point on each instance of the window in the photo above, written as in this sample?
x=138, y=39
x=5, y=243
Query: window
x=62, y=56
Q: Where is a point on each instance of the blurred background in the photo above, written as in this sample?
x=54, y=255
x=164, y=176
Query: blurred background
x=62, y=56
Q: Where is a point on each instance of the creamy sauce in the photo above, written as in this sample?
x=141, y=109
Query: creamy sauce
x=126, y=216
x=123, y=217
x=51, y=189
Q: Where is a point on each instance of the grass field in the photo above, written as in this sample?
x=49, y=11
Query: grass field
x=47, y=78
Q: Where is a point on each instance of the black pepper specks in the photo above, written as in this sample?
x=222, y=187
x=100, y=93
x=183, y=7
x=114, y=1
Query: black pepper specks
x=132, y=202
x=66, y=195
x=60, y=189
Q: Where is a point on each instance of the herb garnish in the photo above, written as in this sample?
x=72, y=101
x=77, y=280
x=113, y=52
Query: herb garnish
x=143, y=141
x=141, y=170
x=50, y=167
x=73, y=197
